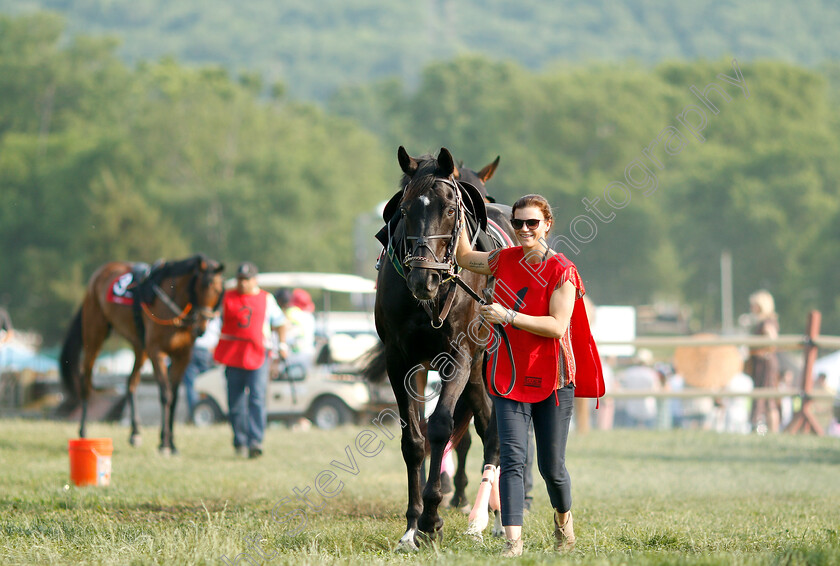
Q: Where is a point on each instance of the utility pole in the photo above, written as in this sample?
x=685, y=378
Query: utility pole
x=726, y=316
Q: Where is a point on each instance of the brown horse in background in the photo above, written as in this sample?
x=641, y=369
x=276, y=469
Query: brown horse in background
x=170, y=307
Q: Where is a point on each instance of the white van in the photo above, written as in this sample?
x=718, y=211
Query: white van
x=329, y=392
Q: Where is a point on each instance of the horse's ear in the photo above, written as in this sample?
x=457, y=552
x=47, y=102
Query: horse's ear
x=407, y=163
x=488, y=171
x=202, y=265
x=220, y=268
x=446, y=164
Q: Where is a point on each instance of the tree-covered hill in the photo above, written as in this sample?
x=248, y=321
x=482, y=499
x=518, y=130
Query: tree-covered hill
x=100, y=162
x=313, y=46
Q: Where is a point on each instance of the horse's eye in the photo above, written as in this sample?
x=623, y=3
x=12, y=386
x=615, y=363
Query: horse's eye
x=402, y=210
x=450, y=212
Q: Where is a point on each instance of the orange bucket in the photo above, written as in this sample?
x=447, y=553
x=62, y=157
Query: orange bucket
x=90, y=461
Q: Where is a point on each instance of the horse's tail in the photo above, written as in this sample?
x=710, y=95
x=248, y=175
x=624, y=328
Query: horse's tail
x=463, y=415
x=69, y=362
x=375, y=369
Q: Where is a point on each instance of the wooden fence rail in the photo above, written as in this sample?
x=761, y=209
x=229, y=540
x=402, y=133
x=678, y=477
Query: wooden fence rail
x=758, y=393
x=785, y=341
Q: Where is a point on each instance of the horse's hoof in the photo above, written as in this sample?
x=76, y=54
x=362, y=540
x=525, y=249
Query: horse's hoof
x=475, y=535
x=429, y=538
x=135, y=440
x=174, y=451
x=407, y=542
x=407, y=547
x=466, y=509
x=479, y=524
x=498, y=529
x=165, y=451
x=459, y=502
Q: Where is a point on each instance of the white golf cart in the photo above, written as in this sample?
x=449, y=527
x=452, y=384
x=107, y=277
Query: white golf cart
x=329, y=392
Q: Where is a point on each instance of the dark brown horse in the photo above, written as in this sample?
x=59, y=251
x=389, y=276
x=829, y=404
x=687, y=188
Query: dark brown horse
x=425, y=322
x=162, y=318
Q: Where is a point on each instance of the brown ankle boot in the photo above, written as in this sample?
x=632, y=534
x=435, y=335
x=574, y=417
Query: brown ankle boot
x=564, y=533
x=512, y=548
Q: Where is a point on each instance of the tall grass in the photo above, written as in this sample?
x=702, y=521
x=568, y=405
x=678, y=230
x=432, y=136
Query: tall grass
x=641, y=497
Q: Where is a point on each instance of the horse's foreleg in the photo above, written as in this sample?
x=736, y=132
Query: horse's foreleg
x=413, y=451
x=131, y=394
x=439, y=430
x=176, y=373
x=479, y=517
x=165, y=400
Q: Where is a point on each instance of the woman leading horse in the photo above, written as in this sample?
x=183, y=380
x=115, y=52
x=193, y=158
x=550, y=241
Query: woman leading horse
x=540, y=305
x=160, y=316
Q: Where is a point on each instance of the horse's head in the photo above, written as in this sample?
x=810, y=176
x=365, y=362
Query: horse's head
x=208, y=289
x=430, y=207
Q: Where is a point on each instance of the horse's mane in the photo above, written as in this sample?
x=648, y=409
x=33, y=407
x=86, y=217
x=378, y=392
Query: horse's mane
x=165, y=271
x=423, y=179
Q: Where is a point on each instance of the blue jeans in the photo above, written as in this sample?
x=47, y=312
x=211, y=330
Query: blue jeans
x=551, y=430
x=201, y=361
x=247, y=415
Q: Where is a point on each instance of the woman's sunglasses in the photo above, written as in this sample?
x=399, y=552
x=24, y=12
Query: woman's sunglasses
x=531, y=223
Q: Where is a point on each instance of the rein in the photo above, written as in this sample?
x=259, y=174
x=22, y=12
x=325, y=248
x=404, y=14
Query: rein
x=488, y=294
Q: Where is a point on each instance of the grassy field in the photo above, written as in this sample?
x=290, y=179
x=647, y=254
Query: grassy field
x=640, y=498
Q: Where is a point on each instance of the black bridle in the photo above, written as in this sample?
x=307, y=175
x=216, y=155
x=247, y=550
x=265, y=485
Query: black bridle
x=446, y=265
x=187, y=316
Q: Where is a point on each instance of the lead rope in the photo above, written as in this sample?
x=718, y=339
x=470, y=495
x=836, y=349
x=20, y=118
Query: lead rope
x=488, y=294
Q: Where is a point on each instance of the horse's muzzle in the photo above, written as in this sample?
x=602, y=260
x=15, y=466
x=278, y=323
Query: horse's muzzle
x=423, y=283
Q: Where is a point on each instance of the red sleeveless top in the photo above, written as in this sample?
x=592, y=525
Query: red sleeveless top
x=527, y=288
x=241, y=343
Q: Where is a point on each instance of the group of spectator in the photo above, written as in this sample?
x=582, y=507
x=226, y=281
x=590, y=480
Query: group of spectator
x=737, y=414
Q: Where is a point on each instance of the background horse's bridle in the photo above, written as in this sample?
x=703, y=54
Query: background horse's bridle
x=185, y=317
